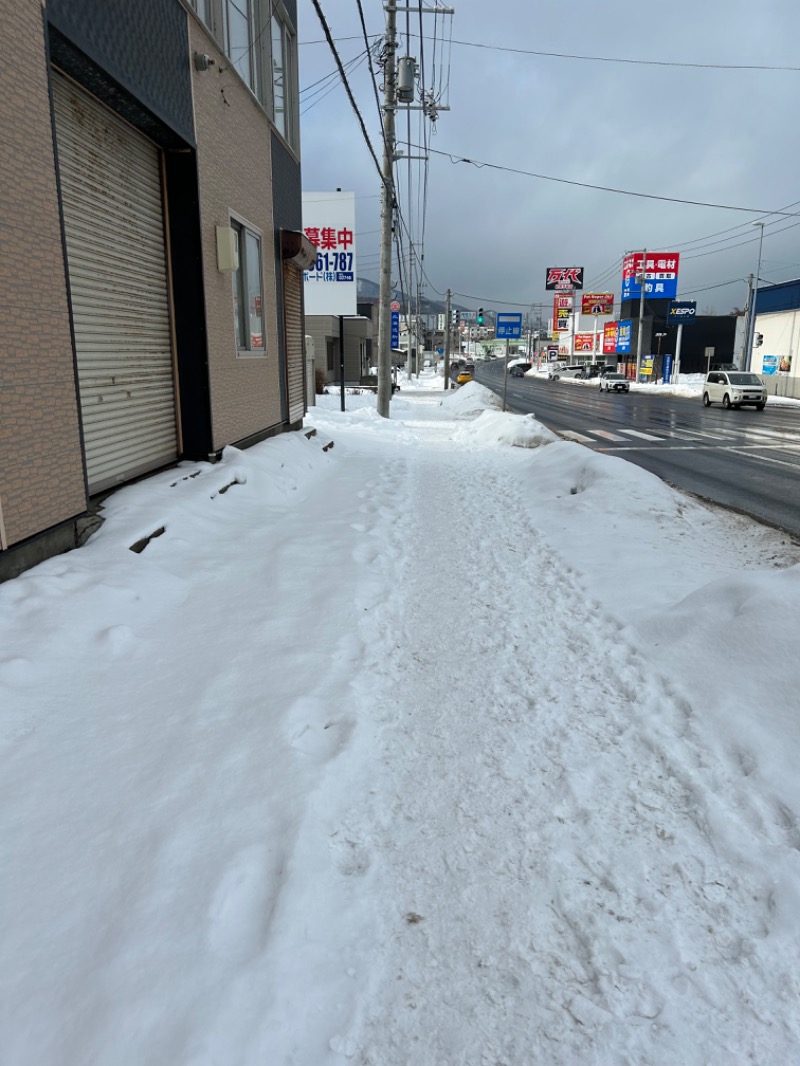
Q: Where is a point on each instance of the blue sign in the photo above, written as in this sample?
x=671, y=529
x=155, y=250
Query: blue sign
x=508, y=325
x=770, y=364
x=395, y=329
x=660, y=275
x=666, y=372
x=657, y=288
x=624, y=330
x=682, y=311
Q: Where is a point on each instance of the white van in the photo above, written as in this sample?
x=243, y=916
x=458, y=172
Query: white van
x=574, y=370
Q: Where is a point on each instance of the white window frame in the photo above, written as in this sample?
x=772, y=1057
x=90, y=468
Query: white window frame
x=242, y=289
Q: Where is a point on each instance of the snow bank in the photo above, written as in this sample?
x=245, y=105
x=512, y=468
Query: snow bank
x=501, y=427
x=470, y=400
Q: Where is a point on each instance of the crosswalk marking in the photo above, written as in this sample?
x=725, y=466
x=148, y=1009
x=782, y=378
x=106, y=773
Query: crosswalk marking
x=688, y=438
x=607, y=436
x=644, y=436
x=578, y=438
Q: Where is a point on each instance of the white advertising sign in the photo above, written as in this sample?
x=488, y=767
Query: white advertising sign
x=329, y=221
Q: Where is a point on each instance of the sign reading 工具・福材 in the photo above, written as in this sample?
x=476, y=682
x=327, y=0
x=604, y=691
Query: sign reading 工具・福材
x=660, y=275
x=330, y=286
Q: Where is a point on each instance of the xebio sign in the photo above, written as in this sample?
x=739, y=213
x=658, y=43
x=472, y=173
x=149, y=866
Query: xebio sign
x=681, y=311
x=564, y=278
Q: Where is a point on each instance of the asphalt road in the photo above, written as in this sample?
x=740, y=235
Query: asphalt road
x=747, y=460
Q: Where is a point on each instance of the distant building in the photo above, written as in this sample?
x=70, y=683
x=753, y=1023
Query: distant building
x=723, y=333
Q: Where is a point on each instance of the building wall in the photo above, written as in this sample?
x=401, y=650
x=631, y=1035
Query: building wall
x=234, y=177
x=781, y=333
x=142, y=46
x=324, y=329
x=41, y=463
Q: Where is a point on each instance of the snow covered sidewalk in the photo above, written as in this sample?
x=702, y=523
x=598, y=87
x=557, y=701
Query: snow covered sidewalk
x=372, y=757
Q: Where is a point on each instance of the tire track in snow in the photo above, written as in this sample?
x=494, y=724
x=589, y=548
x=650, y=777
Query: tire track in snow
x=548, y=839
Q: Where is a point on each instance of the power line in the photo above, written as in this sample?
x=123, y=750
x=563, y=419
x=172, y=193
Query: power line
x=625, y=60
x=348, y=90
x=479, y=164
x=331, y=74
x=606, y=59
x=371, y=70
x=320, y=93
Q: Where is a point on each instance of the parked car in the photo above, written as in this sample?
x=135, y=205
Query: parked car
x=734, y=388
x=519, y=370
x=610, y=369
x=572, y=371
x=592, y=370
x=614, y=383
x=553, y=370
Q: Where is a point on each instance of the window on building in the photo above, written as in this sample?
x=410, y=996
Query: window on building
x=282, y=77
x=239, y=40
x=248, y=304
x=258, y=39
x=330, y=353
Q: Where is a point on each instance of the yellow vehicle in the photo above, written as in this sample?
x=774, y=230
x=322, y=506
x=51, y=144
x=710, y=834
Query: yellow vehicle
x=464, y=376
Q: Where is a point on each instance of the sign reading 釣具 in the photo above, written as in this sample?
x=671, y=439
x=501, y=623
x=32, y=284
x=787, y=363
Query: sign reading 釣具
x=329, y=222
x=597, y=303
x=564, y=278
x=660, y=273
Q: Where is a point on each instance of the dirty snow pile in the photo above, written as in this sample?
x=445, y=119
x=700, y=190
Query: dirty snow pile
x=454, y=744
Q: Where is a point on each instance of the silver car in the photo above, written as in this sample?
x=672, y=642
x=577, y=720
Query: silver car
x=572, y=371
x=734, y=388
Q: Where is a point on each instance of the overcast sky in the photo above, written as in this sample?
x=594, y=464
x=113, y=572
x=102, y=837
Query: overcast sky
x=722, y=136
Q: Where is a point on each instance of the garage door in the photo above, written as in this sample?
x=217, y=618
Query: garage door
x=293, y=320
x=114, y=225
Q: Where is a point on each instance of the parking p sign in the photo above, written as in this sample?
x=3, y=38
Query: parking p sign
x=508, y=325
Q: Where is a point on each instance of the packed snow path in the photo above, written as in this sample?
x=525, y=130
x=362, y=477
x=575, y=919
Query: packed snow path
x=556, y=878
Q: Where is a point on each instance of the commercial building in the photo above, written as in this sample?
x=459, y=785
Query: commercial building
x=152, y=274
x=777, y=335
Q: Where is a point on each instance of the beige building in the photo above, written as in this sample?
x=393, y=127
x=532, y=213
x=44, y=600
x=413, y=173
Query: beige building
x=153, y=251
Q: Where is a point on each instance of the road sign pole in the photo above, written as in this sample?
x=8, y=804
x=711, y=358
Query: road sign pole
x=505, y=378
x=677, y=370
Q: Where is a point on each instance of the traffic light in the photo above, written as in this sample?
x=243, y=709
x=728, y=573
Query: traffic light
x=480, y=316
x=758, y=340
x=455, y=316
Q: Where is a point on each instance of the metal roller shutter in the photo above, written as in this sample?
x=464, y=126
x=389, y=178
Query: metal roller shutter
x=293, y=320
x=113, y=220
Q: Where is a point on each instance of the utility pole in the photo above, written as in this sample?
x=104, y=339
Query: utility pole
x=448, y=329
x=387, y=212
x=640, y=338
x=746, y=337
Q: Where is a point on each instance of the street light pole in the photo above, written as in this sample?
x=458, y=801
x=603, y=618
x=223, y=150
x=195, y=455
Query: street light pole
x=751, y=317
